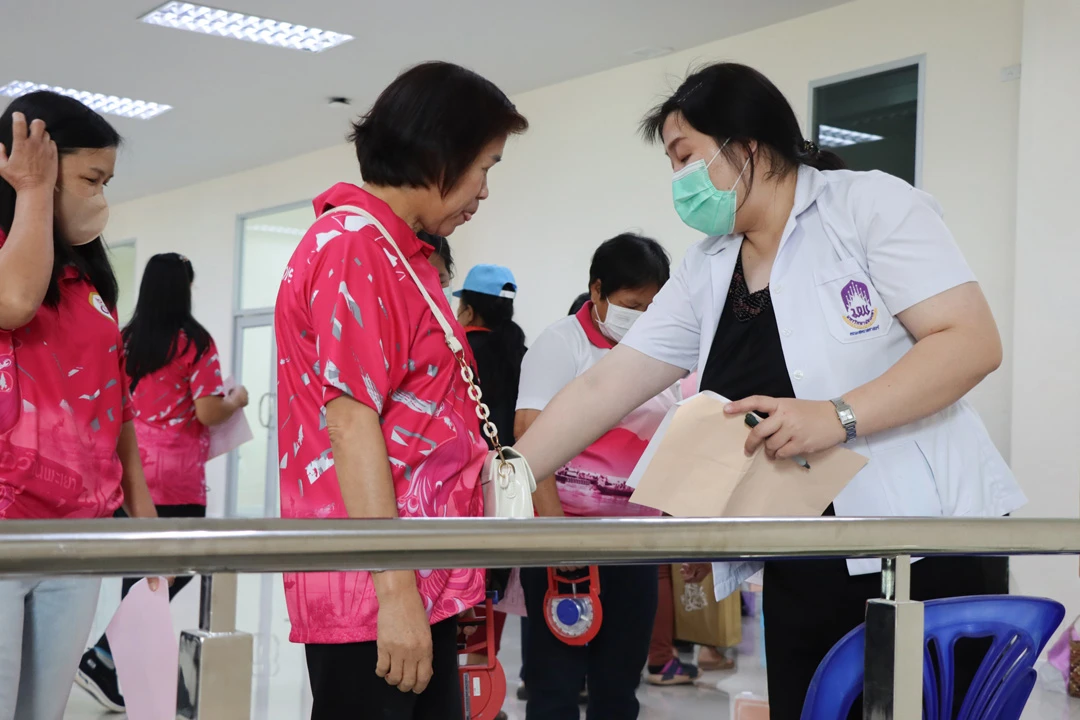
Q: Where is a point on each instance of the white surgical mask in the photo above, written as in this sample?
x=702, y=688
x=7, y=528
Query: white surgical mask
x=618, y=323
x=449, y=293
x=81, y=220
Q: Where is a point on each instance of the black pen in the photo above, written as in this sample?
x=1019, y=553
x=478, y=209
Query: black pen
x=751, y=422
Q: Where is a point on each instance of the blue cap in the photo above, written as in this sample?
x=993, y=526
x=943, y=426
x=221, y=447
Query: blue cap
x=490, y=280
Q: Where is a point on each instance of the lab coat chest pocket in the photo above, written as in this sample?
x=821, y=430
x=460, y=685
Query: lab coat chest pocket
x=853, y=309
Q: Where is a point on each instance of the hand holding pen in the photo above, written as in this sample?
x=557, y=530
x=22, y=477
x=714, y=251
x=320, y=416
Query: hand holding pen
x=752, y=421
x=789, y=426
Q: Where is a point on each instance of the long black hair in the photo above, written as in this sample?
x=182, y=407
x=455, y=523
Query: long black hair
x=73, y=127
x=507, y=340
x=152, y=338
x=737, y=105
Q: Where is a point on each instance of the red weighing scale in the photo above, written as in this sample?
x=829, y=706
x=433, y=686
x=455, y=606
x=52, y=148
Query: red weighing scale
x=483, y=687
x=574, y=615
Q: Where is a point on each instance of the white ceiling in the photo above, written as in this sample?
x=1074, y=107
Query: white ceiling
x=240, y=105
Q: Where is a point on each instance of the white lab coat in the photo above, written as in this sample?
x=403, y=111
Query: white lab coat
x=858, y=249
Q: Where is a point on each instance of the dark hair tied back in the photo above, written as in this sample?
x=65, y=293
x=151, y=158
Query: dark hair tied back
x=737, y=105
x=506, y=338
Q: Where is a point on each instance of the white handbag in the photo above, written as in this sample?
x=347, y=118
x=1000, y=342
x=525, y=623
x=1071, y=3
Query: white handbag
x=509, y=484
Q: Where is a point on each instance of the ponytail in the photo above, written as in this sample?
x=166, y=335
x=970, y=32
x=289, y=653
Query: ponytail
x=810, y=154
x=506, y=340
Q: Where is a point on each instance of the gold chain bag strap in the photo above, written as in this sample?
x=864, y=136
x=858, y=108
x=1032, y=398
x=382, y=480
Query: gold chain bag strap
x=510, y=483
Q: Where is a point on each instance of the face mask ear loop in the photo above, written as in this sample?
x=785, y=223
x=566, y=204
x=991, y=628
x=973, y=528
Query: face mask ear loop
x=741, y=172
x=717, y=154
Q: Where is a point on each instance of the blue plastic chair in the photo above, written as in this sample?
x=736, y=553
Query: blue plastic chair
x=1019, y=628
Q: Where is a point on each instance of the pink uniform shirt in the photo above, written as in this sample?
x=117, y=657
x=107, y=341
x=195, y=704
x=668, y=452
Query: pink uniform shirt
x=65, y=382
x=173, y=444
x=351, y=322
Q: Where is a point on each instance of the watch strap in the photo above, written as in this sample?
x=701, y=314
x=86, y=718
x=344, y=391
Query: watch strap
x=846, y=416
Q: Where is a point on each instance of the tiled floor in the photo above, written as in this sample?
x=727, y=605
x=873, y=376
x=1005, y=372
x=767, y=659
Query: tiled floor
x=283, y=695
x=710, y=698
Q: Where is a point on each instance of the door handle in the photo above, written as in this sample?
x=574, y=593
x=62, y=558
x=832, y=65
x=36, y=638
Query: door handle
x=263, y=402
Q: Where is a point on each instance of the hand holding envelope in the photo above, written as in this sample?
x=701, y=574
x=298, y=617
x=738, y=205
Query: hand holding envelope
x=695, y=466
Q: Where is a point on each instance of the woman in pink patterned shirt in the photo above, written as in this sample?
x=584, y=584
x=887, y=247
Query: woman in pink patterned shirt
x=174, y=376
x=373, y=416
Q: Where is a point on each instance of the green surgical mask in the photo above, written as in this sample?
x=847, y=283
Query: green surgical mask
x=699, y=203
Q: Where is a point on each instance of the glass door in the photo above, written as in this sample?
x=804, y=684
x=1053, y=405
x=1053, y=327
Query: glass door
x=279, y=687
x=265, y=241
x=252, y=488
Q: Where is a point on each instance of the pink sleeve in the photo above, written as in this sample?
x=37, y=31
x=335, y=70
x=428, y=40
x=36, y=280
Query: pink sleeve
x=362, y=348
x=205, y=373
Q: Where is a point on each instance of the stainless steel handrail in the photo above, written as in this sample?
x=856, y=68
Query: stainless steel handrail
x=130, y=547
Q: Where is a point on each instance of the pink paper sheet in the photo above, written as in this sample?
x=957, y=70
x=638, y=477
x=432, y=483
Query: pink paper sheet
x=232, y=433
x=146, y=652
x=1058, y=655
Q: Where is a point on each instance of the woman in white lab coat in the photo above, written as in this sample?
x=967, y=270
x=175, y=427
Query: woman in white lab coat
x=837, y=303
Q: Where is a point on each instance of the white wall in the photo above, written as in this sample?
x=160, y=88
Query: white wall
x=1046, y=388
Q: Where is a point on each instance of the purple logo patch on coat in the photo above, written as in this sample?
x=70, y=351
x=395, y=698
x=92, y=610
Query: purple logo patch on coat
x=860, y=312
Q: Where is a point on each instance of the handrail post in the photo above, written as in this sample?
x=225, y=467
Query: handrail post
x=892, y=685
x=214, y=678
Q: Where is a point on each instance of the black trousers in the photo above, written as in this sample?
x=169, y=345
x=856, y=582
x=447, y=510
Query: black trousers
x=810, y=605
x=524, y=646
x=611, y=664
x=344, y=685
x=163, y=511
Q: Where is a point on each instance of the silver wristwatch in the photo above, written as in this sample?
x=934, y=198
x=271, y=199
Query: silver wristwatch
x=847, y=418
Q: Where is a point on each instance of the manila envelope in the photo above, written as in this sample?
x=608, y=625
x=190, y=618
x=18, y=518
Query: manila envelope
x=695, y=466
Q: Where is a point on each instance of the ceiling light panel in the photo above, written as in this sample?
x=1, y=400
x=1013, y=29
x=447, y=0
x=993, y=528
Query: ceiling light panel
x=227, y=24
x=829, y=136
x=108, y=104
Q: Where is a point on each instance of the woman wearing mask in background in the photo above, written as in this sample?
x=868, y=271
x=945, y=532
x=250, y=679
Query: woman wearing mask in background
x=65, y=416
x=375, y=419
x=626, y=273
x=839, y=304
x=486, y=311
x=176, y=391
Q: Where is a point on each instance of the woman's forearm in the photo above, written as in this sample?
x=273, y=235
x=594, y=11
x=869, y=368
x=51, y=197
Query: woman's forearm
x=939, y=370
x=26, y=259
x=214, y=410
x=546, y=498
x=363, y=472
x=137, y=500
x=591, y=405
x=956, y=345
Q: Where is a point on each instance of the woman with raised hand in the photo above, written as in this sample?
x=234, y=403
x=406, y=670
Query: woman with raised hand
x=66, y=432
